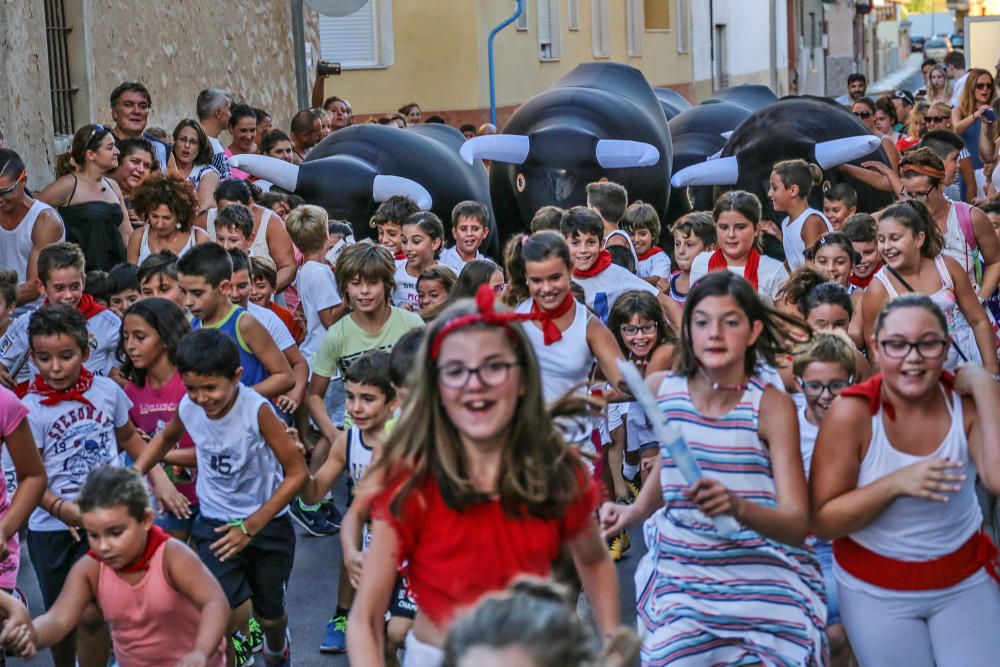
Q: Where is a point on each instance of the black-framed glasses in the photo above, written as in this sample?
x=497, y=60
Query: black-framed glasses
x=897, y=348
x=815, y=389
x=632, y=329
x=863, y=115
x=917, y=196
x=491, y=374
x=17, y=181
x=935, y=119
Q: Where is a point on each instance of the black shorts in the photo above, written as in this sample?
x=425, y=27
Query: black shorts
x=53, y=555
x=259, y=573
x=402, y=603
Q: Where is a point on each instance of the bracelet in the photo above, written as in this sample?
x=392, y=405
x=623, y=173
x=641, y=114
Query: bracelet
x=241, y=525
x=56, y=506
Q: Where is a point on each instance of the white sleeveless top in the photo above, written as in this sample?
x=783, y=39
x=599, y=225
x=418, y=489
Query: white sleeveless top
x=237, y=471
x=144, y=250
x=258, y=244
x=565, y=363
x=16, y=245
x=807, y=439
x=955, y=245
x=917, y=529
x=359, y=456
x=791, y=237
x=631, y=246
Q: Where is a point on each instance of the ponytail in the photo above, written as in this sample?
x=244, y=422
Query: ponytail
x=804, y=174
x=522, y=249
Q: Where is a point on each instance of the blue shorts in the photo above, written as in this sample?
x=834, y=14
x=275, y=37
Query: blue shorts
x=168, y=521
x=824, y=553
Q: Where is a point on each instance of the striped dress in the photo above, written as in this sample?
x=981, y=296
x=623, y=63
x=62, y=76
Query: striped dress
x=704, y=600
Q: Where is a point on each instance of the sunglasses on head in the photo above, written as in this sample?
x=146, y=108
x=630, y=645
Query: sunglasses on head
x=17, y=181
x=863, y=115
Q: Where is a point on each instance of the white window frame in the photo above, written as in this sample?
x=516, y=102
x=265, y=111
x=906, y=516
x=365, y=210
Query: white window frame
x=521, y=23
x=600, y=31
x=555, y=42
x=573, y=14
x=635, y=23
x=382, y=37
x=683, y=20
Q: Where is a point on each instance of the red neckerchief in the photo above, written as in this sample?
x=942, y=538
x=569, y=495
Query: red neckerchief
x=485, y=314
x=87, y=306
x=871, y=391
x=863, y=283
x=155, y=539
x=718, y=261
x=655, y=250
x=603, y=262
x=400, y=255
x=551, y=332
x=74, y=393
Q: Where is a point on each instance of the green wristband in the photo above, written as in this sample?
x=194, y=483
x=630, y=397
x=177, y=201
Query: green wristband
x=241, y=525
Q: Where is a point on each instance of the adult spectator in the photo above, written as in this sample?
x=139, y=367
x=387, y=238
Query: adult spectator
x=90, y=204
x=486, y=128
x=170, y=209
x=925, y=68
x=130, y=106
x=325, y=123
x=306, y=131
x=978, y=94
x=268, y=239
x=26, y=226
x=468, y=130
x=243, y=130
x=264, y=125
x=938, y=85
x=135, y=164
x=857, y=86
x=193, y=161
x=864, y=110
x=903, y=101
x=954, y=67
x=213, y=108
x=411, y=112
x=341, y=110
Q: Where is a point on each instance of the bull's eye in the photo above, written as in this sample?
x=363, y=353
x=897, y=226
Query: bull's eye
x=520, y=182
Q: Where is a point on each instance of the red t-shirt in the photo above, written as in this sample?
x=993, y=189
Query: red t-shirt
x=289, y=320
x=451, y=559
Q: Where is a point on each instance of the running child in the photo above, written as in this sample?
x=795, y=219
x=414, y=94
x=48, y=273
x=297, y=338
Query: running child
x=737, y=216
x=518, y=475
x=251, y=470
x=642, y=223
x=693, y=234
x=834, y=256
x=433, y=288
x=205, y=275
x=823, y=368
x=61, y=274
x=697, y=605
x=162, y=604
x=388, y=221
x=476, y=273
x=79, y=421
x=158, y=277
x=546, y=219
x=264, y=277
x=123, y=287
x=790, y=184
x=609, y=201
x=860, y=231
x=839, y=203
x=470, y=225
x=317, y=287
x=892, y=484
x=421, y=237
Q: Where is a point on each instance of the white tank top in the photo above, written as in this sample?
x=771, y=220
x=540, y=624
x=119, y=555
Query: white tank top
x=807, y=439
x=565, y=363
x=631, y=246
x=258, y=244
x=145, y=252
x=791, y=237
x=237, y=471
x=955, y=245
x=359, y=456
x=917, y=529
x=16, y=245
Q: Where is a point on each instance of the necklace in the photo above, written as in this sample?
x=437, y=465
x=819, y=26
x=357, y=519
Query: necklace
x=721, y=387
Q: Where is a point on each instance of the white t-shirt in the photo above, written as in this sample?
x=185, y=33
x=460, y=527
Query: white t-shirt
x=237, y=471
x=657, y=264
x=771, y=274
x=74, y=438
x=604, y=289
x=405, y=294
x=279, y=332
x=957, y=88
x=103, y=330
x=317, y=288
x=450, y=258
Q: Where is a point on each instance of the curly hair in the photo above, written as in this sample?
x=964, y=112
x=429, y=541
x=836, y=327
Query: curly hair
x=174, y=192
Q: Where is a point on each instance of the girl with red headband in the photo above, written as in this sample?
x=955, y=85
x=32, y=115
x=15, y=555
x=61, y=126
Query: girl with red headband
x=476, y=486
x=893, y=477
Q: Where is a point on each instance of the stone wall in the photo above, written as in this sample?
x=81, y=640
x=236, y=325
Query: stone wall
x=838, y=68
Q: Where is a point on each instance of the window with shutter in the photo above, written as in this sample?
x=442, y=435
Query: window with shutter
x=573, y=21
x=360, y=40
x=683, y=26
x=600, y=28
x=634, y=20
x=548, y=30
x=522, y=21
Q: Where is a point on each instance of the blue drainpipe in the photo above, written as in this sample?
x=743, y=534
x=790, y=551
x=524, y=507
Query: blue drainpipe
x=489, y=50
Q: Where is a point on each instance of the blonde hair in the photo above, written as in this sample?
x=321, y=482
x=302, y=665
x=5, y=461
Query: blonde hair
x=308, y=227
x=943, y=93
x=832, y=347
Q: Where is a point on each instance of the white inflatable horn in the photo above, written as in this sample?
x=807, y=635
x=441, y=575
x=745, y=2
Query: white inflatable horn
x=384, y=187
x=720, y=171
x=283, y=174
x=509, y=148
x=621, y=154
x=835, y=152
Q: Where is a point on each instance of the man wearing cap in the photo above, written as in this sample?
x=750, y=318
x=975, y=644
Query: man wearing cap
x=903, y=101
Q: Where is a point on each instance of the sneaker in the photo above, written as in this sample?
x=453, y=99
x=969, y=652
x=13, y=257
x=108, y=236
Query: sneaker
x=242, y=652
x=330, y=511
x=256, y=636
x=619, y=545
x=314, y=523
x=634, y=486
x=335, y=639
x=285, y=660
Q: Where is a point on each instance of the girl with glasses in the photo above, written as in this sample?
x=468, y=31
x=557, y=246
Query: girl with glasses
x=475, y=486
x=754, y=596
x=892, y=485
x=910, y=244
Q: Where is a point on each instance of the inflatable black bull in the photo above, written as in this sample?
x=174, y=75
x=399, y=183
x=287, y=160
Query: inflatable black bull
x=602, y=120
x=672, y=102
x=811, y=128
x=355, y=168
x=752, y=96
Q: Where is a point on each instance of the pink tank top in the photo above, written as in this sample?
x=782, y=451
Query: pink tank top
x=152, y=625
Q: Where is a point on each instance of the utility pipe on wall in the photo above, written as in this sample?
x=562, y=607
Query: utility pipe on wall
x=489, y=50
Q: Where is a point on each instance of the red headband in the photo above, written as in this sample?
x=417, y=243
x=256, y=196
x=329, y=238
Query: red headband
x=485, y=301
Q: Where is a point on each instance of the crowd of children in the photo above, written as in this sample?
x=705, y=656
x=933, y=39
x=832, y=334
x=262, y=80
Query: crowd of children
x=479, y=414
